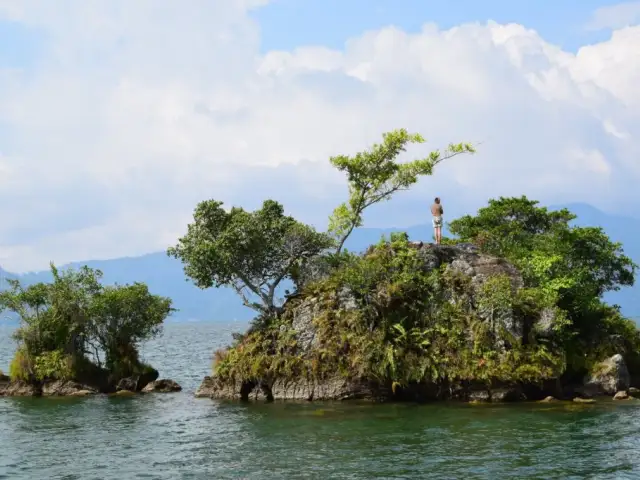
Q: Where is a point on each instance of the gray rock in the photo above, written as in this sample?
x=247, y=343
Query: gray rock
x=19, y=389
x=511, y=394
x=331, y=389
x=162, y=386
x=64, y=388
x=480, y=396
x=58, y=388
x=608, y=377
x=129, y=383
x=621, y=395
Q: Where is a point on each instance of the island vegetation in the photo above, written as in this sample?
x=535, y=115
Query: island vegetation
x=509, y=308
x=77, y=336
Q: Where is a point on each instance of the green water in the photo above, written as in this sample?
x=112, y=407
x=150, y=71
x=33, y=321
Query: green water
x=176, y=436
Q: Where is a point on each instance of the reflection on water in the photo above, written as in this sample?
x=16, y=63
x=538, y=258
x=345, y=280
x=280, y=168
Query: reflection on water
x=176, y=436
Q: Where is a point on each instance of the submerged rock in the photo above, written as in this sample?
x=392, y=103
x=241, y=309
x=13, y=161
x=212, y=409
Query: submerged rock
x=548, y=399
x=584, y=400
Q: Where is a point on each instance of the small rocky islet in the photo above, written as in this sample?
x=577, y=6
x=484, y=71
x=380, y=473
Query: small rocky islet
x=303, y=315
x=78, y=337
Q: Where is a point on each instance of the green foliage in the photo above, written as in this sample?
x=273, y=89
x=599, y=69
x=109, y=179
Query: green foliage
x=54, y=365
x=375, y=175
x=67, y=322
x=570, y=267
x=124, y=316
x=21, y=366
x=249, y=251
x=409, y=326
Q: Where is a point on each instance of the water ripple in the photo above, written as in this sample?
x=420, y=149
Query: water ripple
x=176, y=436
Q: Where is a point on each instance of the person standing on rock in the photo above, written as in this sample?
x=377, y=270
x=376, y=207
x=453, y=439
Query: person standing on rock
x=437, y=211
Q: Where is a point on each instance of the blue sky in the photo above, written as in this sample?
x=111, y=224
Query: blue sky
x=117, y=117
x=287, y=24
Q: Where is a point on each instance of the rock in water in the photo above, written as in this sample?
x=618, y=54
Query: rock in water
x=63, y=388
x=130, y=384
x=19, y=389
x=621, y=395
x=608, y=377
x=548, y=399
x=162, y=386
x=584, y=400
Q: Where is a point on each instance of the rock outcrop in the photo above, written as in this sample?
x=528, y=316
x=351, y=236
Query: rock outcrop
x=58, y=388
x=162, y=386
x=335, y=389
x=464, y=259
x=608, y=377
x=508, y=328
x=69, y=388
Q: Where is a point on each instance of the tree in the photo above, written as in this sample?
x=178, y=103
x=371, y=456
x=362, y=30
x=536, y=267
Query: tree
x=509, y=225
x=121, y=318
x=252, y=252
x=571, y=266
x=547, y=247
x=374, y=175
x=54, y=316
x=73, y=319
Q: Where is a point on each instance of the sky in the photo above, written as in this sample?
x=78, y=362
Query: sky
x=118, y=116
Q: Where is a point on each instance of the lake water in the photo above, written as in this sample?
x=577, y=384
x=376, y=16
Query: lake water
x=176, y=436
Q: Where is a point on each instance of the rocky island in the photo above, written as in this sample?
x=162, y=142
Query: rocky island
x=448, y=322
x=78, y=337
x=509, y=308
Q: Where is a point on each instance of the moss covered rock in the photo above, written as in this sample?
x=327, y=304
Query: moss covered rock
x=404, y=321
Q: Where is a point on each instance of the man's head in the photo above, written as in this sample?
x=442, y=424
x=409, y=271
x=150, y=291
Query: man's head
x=437, y=200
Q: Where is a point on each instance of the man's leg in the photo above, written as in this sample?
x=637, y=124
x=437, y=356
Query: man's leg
x=438, y=235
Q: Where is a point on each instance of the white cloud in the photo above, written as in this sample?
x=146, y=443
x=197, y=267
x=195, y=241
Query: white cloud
x=134, y=111
x=615, y=16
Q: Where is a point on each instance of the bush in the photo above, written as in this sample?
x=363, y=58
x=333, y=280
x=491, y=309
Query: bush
x=21, y=367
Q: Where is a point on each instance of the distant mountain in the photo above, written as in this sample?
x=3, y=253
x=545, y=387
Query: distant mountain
x=164, y=275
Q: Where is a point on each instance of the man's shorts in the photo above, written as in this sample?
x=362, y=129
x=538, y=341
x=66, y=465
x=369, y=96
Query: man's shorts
x=437, y=222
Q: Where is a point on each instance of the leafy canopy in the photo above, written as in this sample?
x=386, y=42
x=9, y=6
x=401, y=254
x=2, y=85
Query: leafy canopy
x=571, y=266
x=374, y=175
x=251, y=252
x=577, y=261
x=74, y=319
